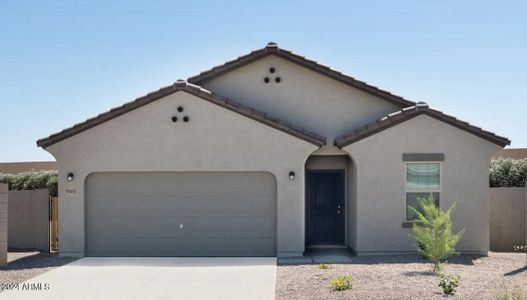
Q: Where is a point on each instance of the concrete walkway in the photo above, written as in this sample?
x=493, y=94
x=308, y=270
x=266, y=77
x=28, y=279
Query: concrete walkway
x=317, y=256
x=155, y=278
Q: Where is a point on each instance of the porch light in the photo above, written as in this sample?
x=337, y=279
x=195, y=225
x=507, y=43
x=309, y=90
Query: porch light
x=291, y=175
x=69, y=177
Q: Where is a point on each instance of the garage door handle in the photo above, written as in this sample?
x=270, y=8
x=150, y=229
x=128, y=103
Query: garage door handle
x=180, y=226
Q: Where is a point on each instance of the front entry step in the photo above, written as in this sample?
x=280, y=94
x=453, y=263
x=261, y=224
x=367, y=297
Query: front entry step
x=319, y=256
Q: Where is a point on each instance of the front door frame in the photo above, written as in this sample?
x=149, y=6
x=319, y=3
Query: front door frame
x=342, y=172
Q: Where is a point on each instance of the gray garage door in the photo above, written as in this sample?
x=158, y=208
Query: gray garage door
x=180, y=214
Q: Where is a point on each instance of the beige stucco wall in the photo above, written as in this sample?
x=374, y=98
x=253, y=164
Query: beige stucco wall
x=303, y=97
x=29, y=220
x=381, y=183
x=507, y=218
x=215, y=139
x=3, y=224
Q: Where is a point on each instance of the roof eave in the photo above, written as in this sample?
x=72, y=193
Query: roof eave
x=197, y=91
x=363, y=132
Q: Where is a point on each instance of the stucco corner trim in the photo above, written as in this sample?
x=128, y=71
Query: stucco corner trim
x=423, y=156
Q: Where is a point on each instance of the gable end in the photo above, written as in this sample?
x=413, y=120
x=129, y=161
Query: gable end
x=409, y=113
x=195, y=90
x=273, y=49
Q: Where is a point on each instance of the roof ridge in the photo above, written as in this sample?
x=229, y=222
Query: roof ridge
x=272, y=49
x=196, y=90
x=408, y=113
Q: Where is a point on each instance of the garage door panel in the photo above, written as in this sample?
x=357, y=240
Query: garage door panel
x=193, y=227
x=229, y=181
x=176, y=213
x=188, y=247
x=176, y=207
x=102, y=183
x=187, y=204
x=139, y=214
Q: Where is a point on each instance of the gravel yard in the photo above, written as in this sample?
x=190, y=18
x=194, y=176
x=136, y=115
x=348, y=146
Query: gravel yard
x=22, y=266
x=403, y=277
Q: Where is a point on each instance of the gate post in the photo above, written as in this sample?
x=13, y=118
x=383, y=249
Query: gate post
x=3, y=224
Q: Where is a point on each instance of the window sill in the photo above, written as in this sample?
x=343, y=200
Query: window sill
x=409, y=224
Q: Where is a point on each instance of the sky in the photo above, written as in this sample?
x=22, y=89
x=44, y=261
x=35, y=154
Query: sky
x=62, y=62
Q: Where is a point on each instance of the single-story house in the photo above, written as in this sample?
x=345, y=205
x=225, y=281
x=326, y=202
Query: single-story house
x=269, y=154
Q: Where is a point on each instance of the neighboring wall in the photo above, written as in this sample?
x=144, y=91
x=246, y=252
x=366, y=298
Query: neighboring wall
x=29, y=220
x=507, y=218
x=514, y=153
x=3, y=224
x=29, y=166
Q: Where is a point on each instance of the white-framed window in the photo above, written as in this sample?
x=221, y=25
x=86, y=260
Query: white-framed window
x=422, y=179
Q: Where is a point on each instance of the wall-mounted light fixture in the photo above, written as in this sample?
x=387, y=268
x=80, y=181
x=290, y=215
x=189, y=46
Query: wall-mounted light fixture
x=291, y=175
x=69, y=177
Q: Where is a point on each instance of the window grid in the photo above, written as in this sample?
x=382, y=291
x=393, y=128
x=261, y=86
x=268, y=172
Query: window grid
x=422, y=191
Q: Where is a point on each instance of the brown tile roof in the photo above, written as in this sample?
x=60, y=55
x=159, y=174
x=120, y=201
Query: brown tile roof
x=182, y=85
x=410, y=112
x=273, y=49
x=513, y=153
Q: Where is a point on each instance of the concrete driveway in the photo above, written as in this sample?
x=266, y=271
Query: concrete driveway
x=154, y=278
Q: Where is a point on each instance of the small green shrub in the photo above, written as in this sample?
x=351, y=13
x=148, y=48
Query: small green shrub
x=341, y=283
x=435, y=240
x=324, y=266
x=32, y=181
x=507, y=172
x=449, y=283
x=508, y=293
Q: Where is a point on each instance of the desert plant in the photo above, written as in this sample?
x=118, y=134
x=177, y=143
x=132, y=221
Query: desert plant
x=324, y=266
x=342, y=283
x=449, y=283
x=432, y=231
x=508, y=293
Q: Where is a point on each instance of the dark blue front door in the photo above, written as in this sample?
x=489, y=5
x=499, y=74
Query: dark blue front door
x=325, y=207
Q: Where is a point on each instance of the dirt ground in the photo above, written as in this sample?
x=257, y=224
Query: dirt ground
x=404, y=277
